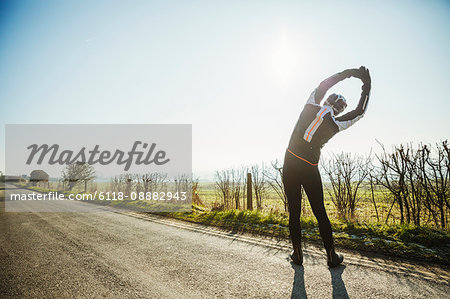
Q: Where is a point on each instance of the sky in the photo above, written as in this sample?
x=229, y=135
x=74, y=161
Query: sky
x=239, y=71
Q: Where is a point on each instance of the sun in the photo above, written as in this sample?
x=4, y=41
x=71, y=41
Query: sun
x=284, y=59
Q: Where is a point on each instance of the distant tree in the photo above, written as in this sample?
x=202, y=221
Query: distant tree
x=274, y=176
x=346, y=174
x=37, y=176
x=156, y=182
x=230, y=186
x=418, y=180
x=372, y=182
x=259, y=183
x=223, y=186
x=78, y=172
x=128, y=178
x=434, y=172
x=195, y=192
x=237, y=186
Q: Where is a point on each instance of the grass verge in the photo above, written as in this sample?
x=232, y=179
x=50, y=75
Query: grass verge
x=405, y=241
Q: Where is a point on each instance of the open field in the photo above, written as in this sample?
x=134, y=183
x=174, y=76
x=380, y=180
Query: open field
x=364, y=212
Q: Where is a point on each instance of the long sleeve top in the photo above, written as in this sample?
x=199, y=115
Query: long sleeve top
x=317, y=124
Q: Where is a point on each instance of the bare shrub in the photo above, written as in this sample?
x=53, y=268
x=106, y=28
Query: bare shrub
x=259, y=182
x=346, y=174
x=274, y=177
x=76, y=173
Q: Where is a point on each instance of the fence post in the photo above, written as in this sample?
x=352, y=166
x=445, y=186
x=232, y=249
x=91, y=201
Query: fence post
x=249, y=191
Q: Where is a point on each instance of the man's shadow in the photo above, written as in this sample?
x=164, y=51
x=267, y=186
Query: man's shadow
x=339, y=289
x=298, y=287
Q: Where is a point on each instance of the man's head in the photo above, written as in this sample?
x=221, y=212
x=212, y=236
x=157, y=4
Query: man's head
x=337, y=102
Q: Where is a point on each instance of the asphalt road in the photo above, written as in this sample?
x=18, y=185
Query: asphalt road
x=117, y=254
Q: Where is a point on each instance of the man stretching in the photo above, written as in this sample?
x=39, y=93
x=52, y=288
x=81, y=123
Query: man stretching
x=315, y=126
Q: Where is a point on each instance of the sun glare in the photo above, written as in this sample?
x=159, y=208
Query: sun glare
x=284, y=59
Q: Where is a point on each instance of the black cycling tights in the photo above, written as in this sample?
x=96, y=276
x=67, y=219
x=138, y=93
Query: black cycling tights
x=297, y=173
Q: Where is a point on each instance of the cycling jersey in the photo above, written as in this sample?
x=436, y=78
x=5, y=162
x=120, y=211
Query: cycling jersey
x=317, y=124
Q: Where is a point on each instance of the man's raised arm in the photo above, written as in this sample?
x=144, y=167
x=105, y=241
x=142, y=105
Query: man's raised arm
x=318, y=93
x=348, y=119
